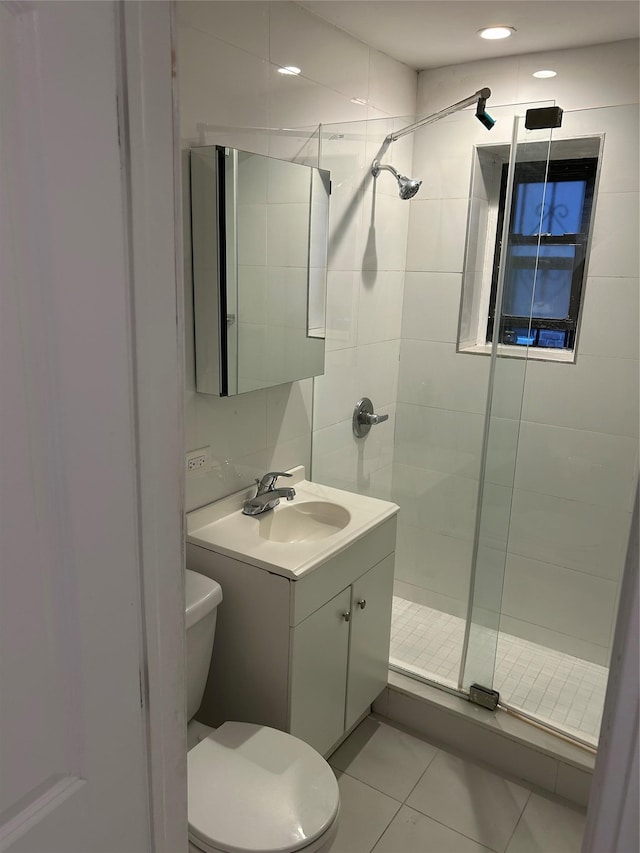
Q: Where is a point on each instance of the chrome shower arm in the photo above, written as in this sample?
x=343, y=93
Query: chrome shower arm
x=377, y=167
x=466, y=102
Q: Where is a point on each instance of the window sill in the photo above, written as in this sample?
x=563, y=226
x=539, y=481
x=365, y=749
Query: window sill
x=531, y=353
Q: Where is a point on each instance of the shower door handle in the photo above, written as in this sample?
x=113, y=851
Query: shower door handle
x=364, y=417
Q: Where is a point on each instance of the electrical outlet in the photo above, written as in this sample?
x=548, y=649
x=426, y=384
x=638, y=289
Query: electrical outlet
x=199, y=461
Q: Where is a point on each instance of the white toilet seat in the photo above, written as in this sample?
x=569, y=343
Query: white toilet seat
x=254, y=789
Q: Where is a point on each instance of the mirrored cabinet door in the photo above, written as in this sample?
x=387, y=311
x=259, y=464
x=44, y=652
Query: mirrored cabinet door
x=260, y=235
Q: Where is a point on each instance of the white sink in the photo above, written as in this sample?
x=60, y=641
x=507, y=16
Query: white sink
x=296, y=536
x=304, y=521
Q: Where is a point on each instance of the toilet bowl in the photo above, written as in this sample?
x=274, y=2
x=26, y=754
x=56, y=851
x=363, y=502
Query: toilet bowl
x=252, y=789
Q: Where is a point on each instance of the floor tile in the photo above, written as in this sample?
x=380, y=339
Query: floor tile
x=547, y=827
x=384, y=757
x=412, y=832
x=567, y=692
x=469, y=799
x=364, y=816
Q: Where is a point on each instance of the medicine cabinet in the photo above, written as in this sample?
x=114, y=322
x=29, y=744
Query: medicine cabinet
x=259, y=237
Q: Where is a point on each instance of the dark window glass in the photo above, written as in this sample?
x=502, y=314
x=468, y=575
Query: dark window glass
x=545, y=253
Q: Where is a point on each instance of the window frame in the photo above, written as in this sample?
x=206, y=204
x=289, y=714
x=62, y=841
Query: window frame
x=538, y=171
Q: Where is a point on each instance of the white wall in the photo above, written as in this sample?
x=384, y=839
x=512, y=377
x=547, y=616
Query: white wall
x=228, y=55
x=577, y=451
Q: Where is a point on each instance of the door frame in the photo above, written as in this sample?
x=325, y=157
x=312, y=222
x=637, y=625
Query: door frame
x=148, y=116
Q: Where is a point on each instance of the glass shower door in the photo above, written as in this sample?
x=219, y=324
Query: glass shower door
x=561, y=429
x=517, y=278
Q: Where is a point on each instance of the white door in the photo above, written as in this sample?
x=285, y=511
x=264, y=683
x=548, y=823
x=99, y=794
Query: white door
x=73, y=733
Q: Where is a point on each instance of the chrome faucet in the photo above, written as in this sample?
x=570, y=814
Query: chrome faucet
x=267, y=497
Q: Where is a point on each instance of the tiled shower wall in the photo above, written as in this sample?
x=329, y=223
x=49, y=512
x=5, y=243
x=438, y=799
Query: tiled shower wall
x=367, y=255
x=229, y=88
x=576, y=459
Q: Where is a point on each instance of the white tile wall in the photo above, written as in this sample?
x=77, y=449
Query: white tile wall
x=437, y=231
x=615, y=232
x=326, y=55
x=430, y=307
x=568, y=533
x=564, y=600
x=380, y=307
x=367, y=255
x=439, y=439
x=340, y=457
x=350, y=374
x=203, y=59
x=246, y=26
x=392, y=85
x=228, y=55
x=434, y=374
x=596, y=394
x=618, y=173
x=386, y=218
x=343, y=294
x=609, y=323
x=597, y=76
x=593, y=467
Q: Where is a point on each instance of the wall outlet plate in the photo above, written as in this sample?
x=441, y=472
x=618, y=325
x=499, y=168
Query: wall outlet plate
x=198, y=461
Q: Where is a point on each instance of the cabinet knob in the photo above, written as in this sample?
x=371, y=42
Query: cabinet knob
x=362, y=603
x=347, y=616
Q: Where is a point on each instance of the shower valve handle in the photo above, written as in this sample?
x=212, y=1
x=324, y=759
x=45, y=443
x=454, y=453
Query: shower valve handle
x=372, y=420
x=364, y=417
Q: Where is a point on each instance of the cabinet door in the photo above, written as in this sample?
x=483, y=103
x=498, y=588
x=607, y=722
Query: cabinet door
x=319, y=652
x=370, y=633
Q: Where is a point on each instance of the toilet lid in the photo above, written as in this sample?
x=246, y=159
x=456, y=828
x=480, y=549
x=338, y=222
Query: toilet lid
x=253, y=788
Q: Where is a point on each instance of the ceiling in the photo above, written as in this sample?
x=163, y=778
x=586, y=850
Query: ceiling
x=436, y=33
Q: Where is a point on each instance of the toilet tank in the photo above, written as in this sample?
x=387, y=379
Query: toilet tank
x=203, y=596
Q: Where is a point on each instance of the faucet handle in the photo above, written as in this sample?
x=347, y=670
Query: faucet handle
x=269, y=480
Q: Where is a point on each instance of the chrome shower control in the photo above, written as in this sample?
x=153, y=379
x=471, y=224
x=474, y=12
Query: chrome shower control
x=364, y=417
x=362, y=603
x=347, y=616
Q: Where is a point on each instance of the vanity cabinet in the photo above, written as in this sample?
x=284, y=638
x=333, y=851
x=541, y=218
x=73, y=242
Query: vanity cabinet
x=340, y=658
x=307, y=656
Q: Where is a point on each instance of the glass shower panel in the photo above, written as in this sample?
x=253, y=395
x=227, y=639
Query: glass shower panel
x=577, y=451
x=504, y=411
x=562, y=428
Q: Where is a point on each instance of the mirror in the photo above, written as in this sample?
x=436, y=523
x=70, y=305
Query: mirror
x=260, y=231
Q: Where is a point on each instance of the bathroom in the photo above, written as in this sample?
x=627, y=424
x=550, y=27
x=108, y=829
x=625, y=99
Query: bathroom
x=393, y=301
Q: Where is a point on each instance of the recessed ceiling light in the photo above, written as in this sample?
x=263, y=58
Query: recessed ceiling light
x=546, y=72
x=289, y=69
x=496, y=32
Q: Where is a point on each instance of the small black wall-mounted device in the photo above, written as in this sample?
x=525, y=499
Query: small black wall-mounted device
x=543, y=117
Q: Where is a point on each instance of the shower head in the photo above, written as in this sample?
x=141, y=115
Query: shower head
x=407, y=187
x=481, y=115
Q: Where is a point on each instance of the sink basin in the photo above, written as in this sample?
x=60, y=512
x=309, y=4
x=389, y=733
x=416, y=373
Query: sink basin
x=294, y=538
x=303, y=522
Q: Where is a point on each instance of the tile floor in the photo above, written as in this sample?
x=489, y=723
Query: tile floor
x=552, y=686
x=400, y=794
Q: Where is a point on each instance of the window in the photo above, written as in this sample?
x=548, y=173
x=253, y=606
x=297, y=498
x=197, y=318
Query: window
x=545, y=253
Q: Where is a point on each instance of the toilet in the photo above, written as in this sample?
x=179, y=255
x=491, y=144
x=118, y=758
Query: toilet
x=252, y=789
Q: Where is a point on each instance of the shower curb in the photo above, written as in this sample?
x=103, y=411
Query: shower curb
x=511, y=745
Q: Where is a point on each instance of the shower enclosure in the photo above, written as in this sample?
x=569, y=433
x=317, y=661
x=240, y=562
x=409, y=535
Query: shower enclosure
x=511, y=384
